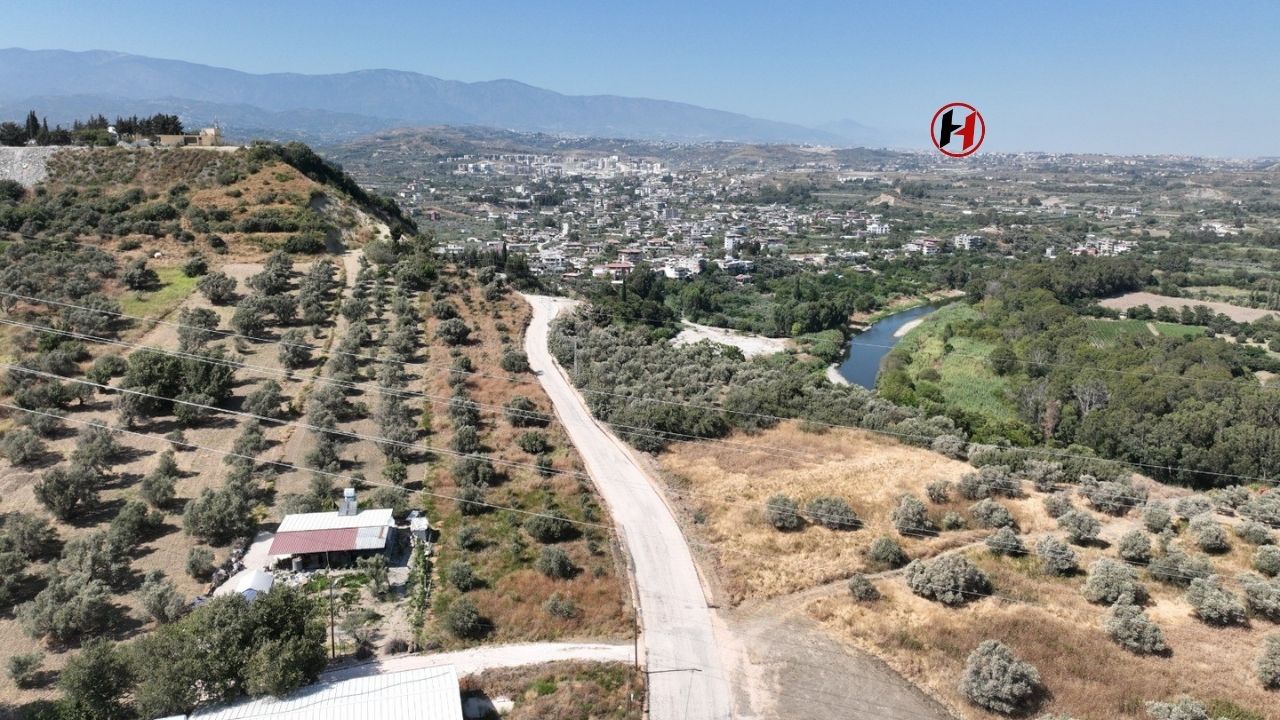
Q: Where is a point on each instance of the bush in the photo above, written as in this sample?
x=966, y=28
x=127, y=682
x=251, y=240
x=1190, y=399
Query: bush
x=862, y=590
x=1208, y=534
x=561, y=607
x=1254, y=533
x=995, y=679
x=514, y=361
x=465, y=440
x=1111, y=581
x=1130, y=627
x=69, y=607
x=1178, y=568
x=463, y=577
x=953, y=521
x=1044, y=475
x=1081, y=527
x=782, y=513
x=1269, y=663
x=533, y=442
x=989, y=480
x=1057, y=505
x=1056, y=557
x=217, y=287
x=160, y=598
x=910, y=518
x=1214, y=605
x=453, y=331
x=1192, y=505
x=1185, y=709
x=463, y=620
x=1266, y=560
x=991, y=514
x=1006, y=542
x=200, y=563
x=938, y=491
x=555, y=563
x=549, y=526
x=24, y=669
x=1262, y=597
x=523, y=412
x=66, y=489
x=219, y=516
x=1156, y=517
x=886, y=552
x=195, y=266
x=1113, y=498
x=30, y=536
x=832, y=513
x=1135, y=547
x=950, y=579
x=22, y=446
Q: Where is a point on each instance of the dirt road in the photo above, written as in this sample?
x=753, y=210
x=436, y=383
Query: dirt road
x=687, y=676
x=477, y=659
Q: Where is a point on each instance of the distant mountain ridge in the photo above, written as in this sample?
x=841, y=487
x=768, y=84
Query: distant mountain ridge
x=357, y=102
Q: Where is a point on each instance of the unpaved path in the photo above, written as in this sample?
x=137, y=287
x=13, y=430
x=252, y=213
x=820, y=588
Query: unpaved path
x=474, y=660
x=687, y=676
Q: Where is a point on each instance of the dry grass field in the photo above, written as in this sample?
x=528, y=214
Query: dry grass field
x=1235, y=312
x=1045, y=619
x=596, y=691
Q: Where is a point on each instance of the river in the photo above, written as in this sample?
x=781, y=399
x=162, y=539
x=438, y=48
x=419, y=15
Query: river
x=867, y=349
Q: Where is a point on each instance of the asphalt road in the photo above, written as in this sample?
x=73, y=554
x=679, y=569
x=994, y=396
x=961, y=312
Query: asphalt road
x=687, y=678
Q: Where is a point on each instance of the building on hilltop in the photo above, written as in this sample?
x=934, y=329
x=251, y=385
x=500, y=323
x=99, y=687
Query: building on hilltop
x=207, y=137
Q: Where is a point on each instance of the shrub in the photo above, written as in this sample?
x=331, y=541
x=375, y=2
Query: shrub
x=159, y=488
x=200, y=563
x=219, y=516
x=1045, y=476
x=1269, y=663
x=1208, y=534
x=832, y=512
x=549, y=526
x=1192, y=505
x=862, y=589
x=950, y=579
x=1081, y=527
x=991, y=514
x=1006, y=542
x=1056, y=557
x=995, y=679
x=218, y=287
x=160, y=598
x=1110, y=581
x=953, y=521
x=555, y=563
x=463, y=620
x=67, y=488
x=465, y=440
x=1254, y=533
x=1178, y=568
x=1130, y=627
x=1213, y=604
x=523, y=412
x=886, y=552
x=1113, y=498
x=1057, y=505
x=462, y=576
x=70, y=606
x=989, y=480
x=938, y=491
x=1266, y=560
x=453, y=331
x=1135, y=547
x=1262, y=597
x=1156, y=517
x=470, y=500
x=782, y=513
x=195, y=266
x=473, y=471
x=561, y=607
x=24, y=669
x=910, y=518
x=514, y=361
x=22, y=446
x=1184, y=709
x=533, y=442
x=470, y=538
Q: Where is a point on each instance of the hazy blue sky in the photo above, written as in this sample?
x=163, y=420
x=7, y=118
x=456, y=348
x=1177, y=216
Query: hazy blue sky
x=1124, y=77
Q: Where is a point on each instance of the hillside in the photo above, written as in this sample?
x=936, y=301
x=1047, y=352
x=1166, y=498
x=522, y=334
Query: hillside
x=369, y=99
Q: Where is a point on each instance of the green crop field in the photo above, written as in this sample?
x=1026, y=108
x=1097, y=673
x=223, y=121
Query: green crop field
x=174, y=288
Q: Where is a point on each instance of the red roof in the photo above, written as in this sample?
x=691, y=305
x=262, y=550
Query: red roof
x=314, y=541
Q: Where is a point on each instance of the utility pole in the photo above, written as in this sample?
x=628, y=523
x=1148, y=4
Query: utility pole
x=635, y=639
x=575, y=356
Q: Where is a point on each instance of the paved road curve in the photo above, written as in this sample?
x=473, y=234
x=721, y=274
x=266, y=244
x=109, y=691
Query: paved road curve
x=687, y=678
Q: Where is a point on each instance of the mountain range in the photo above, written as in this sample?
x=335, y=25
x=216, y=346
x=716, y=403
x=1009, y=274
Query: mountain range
x=64, y=85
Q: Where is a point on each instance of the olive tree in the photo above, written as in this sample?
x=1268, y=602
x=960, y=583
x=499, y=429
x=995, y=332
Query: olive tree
x=1130, y=628
x=1269, y=663
x=1213, y=604
x=1135, y=547
x=1081, y=527
x=910, y=517
x=949, y=579
x=1056, y=557
x=832, y=512
x=1110, y=581
x=782, y=513
x=995, y=679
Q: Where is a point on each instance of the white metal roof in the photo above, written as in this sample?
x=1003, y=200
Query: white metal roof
x=423, y=694
x=333, y=521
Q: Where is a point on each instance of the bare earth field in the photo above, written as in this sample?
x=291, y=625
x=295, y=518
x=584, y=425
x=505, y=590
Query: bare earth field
x=750, y=345
x=1235, y=312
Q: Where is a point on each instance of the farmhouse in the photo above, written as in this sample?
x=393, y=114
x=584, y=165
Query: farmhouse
x=338, y=537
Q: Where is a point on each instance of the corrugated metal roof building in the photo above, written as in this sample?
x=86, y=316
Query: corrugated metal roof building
x=423, y=694
x=313, y=534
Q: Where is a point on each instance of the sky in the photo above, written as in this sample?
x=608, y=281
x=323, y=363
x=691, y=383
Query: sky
x=1081, y=76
